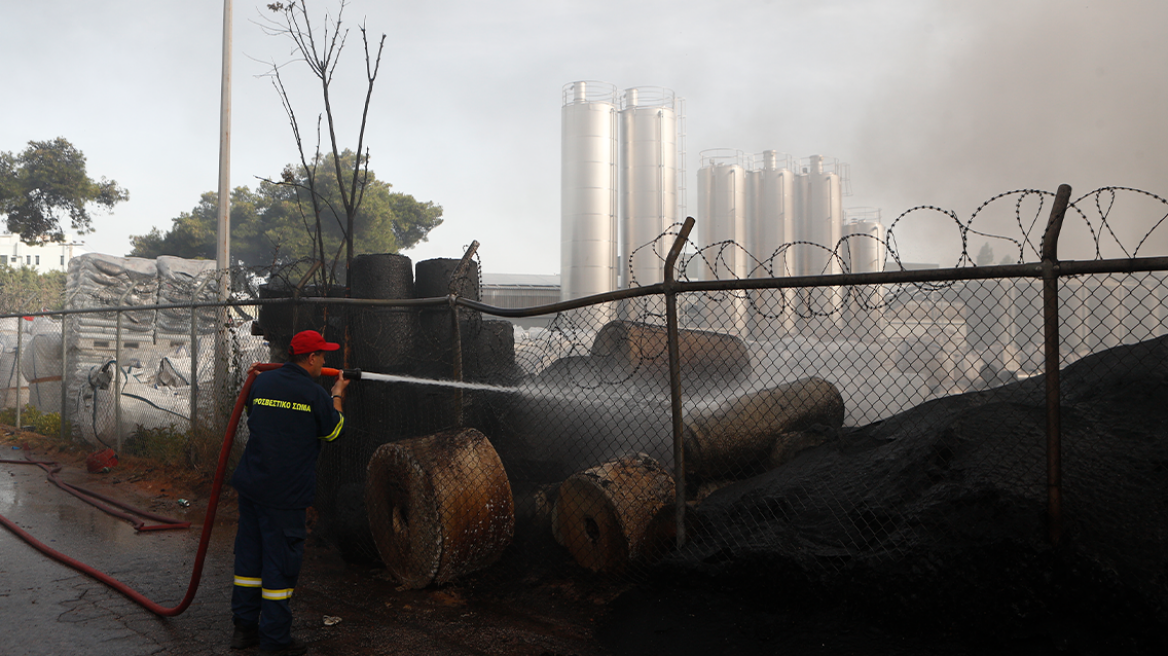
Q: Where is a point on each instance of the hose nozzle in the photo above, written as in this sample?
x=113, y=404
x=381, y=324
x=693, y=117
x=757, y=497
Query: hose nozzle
x=350, y=374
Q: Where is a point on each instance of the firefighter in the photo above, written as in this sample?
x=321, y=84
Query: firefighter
x=289, y=415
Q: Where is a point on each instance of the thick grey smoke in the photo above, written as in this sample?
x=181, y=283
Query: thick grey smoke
x=998, y=95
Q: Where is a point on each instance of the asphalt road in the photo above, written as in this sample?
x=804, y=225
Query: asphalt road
x=48, y=608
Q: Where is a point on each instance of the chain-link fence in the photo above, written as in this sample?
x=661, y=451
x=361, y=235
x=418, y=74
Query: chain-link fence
x=983, y=425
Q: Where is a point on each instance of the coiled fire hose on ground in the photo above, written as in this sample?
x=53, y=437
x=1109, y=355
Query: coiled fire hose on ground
x=208, y=519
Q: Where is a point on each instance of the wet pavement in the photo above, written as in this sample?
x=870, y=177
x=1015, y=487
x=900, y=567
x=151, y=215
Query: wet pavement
x=48, y=608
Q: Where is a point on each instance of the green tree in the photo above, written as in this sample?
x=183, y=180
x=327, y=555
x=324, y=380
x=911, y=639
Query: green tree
x=46, y=182
x=319, y=46
x=22, y=289
x=277, y=223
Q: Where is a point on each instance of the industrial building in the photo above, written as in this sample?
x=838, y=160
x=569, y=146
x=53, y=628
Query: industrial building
x=766, y=215
x=623, y=185
x=41, y=258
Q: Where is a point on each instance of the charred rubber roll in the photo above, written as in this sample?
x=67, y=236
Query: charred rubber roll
x=641, y=351
x=603, y=515
x=439, y=506
x=735, y=437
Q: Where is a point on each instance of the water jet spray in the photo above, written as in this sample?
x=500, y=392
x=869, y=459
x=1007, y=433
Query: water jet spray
x=358, y=374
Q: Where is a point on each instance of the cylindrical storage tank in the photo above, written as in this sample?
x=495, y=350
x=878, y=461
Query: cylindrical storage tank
x=771, y=213
x=822, y=220
x=722, y=229
x=864, y=251
x=439, y=506
x=770, y=225
x=648, y=181
x=735, y=438
x=603, y=515
x=864, y=248
x=588, y=201
x=641, y=350
x=818, y=310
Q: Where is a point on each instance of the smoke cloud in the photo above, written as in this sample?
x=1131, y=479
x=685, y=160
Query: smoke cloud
x=1000, y=95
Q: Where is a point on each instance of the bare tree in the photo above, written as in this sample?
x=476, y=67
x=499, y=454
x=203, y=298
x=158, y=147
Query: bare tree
x=320, y=47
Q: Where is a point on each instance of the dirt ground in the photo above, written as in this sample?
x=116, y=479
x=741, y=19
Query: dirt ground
x=558, y=614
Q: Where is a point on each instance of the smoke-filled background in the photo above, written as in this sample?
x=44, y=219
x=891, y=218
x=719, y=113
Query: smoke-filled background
x=930, y=102
x=992, y=96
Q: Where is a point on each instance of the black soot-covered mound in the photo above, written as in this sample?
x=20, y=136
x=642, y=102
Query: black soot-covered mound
x=935, y=519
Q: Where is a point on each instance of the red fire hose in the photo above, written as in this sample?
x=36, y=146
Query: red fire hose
x=101, y=501
x=208, y=520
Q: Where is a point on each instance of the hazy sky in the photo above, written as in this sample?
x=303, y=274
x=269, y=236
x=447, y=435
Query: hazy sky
x=929, y=101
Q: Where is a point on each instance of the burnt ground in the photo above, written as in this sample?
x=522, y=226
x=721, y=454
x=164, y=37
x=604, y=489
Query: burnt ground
x=545, y=614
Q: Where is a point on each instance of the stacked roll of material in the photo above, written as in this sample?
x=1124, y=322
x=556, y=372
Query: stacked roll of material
x=97, y=280
x=383, y=337
x=439, y=277
x=439, y=506
x=185, y=281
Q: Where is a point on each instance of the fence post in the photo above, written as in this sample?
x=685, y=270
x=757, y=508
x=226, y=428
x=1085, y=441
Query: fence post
x=19, y=373
x=64, y=376
x=675, y=379
x=193, y=351
x=1050, y=322
x=459, y=272
x=117, y=383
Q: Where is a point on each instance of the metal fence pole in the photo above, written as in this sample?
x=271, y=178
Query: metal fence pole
x=459, y=273
x=64, y=376
x=117, y=384
x=19, y=374
x=1050, y=321
x=456, y=372
x=193, y=351
x=675, y=379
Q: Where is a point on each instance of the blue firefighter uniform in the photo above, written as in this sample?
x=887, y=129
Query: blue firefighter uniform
x=289, y=415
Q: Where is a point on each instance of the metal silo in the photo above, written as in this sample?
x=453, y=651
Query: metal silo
x=770, y=229
x=648, y=181
x=822, y=218
x=770, y=213
x=588, y=191
x=722, y=233
x=820, y=199
x=864, y=250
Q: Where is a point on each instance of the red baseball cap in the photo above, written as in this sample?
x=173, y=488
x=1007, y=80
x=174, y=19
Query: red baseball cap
x=310, y=341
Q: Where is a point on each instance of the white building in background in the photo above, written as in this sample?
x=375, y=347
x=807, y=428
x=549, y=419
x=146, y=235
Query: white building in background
x=41, y=258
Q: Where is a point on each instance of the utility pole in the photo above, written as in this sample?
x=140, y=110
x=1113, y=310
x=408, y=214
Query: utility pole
x=223, y=234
